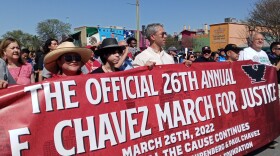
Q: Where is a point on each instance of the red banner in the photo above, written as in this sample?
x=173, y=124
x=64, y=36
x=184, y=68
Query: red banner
x=206, y=109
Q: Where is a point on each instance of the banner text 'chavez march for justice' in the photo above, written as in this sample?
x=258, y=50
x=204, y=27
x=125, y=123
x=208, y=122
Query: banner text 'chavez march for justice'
x=207, y=109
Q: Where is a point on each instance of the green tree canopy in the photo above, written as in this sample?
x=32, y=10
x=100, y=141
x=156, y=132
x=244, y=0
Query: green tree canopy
x=172, y=41
x=52, y=28
x=26, y=40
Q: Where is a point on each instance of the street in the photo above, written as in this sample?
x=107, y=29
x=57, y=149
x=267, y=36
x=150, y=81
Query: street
x=265, y=151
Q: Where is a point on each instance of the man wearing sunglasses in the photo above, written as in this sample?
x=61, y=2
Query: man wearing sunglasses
x=274, y=56
x=232, y=52
x=206, y=55
x=154, y=54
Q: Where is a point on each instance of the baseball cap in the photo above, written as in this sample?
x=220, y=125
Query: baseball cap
x=172, y=49
x=232, y=47
x=206, y=49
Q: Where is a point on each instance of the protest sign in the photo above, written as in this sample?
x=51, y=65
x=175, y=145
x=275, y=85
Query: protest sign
x=206, y=109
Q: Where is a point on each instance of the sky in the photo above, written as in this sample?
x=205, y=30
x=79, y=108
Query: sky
x=173, y=14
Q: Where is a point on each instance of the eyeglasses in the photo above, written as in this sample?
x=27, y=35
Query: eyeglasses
x=70, y=58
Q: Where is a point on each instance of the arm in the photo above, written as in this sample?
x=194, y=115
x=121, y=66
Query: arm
x=40, y=77
x=32, y=78
x=122, y=59
x=187, y=63
x=277, y=66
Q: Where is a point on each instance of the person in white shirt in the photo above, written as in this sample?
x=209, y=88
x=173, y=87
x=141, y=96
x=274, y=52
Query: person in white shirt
x=255, y=52
x=154, y=54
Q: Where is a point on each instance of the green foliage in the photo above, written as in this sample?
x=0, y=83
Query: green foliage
x=26, y=40
x=200, y=42
x=52, y=28
x=172, y=41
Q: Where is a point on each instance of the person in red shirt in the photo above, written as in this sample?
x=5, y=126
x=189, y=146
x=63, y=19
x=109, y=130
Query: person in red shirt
x=92, y=63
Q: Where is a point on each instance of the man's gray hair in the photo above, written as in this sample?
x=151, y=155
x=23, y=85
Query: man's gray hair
x=152, y=29
x=252, y=37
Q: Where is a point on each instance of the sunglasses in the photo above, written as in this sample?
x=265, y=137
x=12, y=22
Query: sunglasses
x=277, y=48
x=70, y=58
x=162, y=34
x=235, y=51
x=206, y=52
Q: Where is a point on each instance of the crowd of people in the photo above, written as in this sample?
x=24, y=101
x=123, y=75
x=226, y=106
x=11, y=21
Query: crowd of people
x=19, y=66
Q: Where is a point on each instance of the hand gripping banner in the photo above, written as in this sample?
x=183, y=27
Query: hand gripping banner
x=206, y=109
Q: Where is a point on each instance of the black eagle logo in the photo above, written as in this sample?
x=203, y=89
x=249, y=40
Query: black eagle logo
x=255, y=72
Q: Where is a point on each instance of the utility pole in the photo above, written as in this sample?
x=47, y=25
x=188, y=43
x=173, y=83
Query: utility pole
x=137, y=23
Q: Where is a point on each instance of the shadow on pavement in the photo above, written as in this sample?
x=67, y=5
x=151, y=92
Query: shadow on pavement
x=262, y=149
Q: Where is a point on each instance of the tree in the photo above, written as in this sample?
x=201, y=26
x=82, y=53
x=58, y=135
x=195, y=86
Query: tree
x=265, y=17
x=187, y=41
x=172, y=41
x=36, y=43
x=26, y=40
x=52, y=28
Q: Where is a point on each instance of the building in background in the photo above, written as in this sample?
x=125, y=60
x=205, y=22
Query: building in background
x=194, y=39
x=90, y=35
x=218, y=36
x=231, y=31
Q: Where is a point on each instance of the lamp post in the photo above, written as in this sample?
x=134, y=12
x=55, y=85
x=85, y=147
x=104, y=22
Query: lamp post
x=137, y=23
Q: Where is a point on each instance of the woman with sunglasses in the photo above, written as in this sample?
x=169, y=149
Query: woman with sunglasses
x=215, y=56
x=109, y=53
x=66, y=60
x=191, y=57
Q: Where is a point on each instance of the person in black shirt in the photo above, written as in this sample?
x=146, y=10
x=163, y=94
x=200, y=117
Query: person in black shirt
x=109, y=53
x=206, y=55
x=50, y=45
x=274, y=57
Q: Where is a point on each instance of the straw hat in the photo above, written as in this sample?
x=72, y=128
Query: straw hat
x=65, y=47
